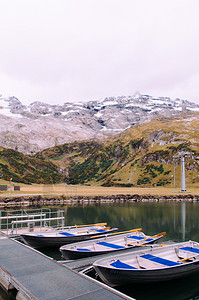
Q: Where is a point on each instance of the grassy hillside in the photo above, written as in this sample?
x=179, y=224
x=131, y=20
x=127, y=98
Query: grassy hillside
x=27, y=169
x=140, y=156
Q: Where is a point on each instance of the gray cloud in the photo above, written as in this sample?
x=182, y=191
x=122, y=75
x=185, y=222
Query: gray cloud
x=72, y=50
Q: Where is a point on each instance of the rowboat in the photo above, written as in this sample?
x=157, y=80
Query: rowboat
x=156, y=264
x=111, y=243
x=64, y=235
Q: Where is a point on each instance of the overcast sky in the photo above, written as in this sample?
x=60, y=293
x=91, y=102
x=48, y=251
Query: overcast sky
x=57, y=51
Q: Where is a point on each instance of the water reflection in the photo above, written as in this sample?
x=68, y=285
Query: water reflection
x=174, y=218
x=179, y=220
x=11, y=295
x=184, y=289
x=183, y=217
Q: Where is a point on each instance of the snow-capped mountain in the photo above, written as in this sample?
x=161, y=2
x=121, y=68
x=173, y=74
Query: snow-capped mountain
x=30, y=129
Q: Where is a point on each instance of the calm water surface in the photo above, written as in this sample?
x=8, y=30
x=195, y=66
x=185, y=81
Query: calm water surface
x=179, y=220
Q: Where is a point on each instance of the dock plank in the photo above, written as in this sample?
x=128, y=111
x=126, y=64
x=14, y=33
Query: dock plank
x=46, y=279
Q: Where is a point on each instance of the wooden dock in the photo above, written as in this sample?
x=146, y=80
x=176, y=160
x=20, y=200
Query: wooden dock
x=35, y=276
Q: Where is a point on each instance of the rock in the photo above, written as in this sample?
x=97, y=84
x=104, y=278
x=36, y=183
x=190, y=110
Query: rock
x=38, y=126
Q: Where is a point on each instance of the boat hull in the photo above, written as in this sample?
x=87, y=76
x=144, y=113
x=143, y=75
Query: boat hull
x=74, y=254
x=115, y=277
x=37, y=241
x=158, y=264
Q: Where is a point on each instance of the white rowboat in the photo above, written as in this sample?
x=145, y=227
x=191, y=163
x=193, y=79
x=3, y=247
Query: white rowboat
x=61, y=236
x=152, y=265
x=111, y=243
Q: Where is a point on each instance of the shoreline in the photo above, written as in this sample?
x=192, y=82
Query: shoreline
x=38, y=195
x=47, y=200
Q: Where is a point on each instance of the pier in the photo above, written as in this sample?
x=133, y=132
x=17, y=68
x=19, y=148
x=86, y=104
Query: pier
x=35, y=276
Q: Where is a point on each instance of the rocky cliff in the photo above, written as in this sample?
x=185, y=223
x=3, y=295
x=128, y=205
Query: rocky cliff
x=30, y=129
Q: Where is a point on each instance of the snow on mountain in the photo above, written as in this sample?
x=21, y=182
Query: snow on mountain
x=30, y=129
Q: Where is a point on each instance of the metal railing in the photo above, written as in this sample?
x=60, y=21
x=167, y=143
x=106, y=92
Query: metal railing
x=13, y=220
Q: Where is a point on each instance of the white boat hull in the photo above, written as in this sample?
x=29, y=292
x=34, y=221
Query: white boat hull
x=111, y=274
x=57, y=238
x=112, y=243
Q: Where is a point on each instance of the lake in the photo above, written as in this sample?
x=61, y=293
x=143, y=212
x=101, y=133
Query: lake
x=180, y=221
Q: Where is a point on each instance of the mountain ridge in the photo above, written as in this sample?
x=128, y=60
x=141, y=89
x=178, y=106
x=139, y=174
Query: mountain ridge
x=33, y=128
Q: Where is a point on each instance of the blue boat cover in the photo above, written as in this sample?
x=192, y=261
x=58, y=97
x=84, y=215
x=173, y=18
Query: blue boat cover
x=40, y=235
x=101, y=230
x=160, y=260
x=136, y=237
x=190, y=249
x=120, y=265
x=111, y=245
x=66, y=233
x=83, y=249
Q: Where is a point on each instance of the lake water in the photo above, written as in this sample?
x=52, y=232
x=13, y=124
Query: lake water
x=179, y=220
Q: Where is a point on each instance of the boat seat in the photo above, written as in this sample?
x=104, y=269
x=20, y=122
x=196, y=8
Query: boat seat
x=135, y=237
x=66, y=233
x=187, y=253
x=110, y=245
x=150, y=261
x=120, y=265
x=83, y=249
x=190, y=249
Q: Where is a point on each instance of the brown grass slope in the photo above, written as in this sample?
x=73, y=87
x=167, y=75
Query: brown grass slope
x=140, y=156
x=26, y=169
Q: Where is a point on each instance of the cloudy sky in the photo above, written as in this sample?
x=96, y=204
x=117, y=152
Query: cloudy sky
x=78, y=50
